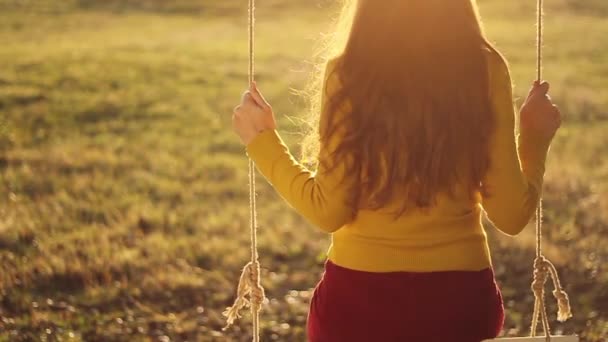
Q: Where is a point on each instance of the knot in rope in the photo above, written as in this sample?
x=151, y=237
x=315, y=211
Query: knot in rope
x=257, y=291
x=542, y=269
x=249, y=285
x=540, y=275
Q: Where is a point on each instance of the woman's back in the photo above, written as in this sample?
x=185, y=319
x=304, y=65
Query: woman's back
x=448, y=235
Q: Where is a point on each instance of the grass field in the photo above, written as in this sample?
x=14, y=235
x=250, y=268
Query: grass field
x=123, y=190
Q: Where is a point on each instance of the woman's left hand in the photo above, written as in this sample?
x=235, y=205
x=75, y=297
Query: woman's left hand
x=252, y=116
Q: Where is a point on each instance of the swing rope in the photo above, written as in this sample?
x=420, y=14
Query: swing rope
x=249, y=282
x=542, y=266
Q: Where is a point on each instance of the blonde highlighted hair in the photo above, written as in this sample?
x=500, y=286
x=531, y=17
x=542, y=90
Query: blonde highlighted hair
x=414, y=77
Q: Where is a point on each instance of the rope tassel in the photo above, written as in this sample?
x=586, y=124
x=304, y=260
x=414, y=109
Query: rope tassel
x=563, y=302
x=249, y=286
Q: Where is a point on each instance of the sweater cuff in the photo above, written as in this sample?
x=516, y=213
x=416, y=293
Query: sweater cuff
x=533, y=155
x=265, y=149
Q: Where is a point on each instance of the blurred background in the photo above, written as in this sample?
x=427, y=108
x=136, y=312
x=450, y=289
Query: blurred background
x=123, y=191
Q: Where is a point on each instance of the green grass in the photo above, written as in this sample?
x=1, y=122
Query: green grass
x=123, y=191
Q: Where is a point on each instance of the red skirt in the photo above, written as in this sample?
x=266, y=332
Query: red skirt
x=448, y=306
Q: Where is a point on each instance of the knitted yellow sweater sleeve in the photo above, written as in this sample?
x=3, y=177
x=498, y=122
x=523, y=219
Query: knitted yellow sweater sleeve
x=515, y=178
x=319, y=196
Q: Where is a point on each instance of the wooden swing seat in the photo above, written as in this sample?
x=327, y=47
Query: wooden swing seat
x=573, y=338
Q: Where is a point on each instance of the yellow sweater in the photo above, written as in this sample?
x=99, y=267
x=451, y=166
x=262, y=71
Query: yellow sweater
x=449, y=236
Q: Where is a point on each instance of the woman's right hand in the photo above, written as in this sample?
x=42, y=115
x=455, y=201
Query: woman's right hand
x=538, y=115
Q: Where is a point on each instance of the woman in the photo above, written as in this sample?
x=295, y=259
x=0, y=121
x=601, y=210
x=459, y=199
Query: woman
x=414, y=137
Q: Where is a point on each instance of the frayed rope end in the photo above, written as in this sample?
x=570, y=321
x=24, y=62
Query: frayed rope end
x=249, y=285
x=563, y=302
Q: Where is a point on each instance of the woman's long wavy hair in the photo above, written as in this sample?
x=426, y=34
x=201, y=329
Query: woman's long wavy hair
x=414, y=74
